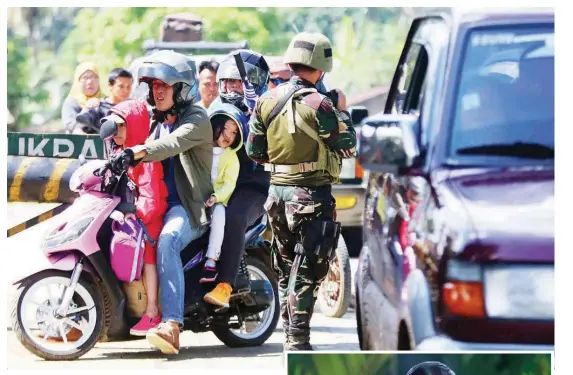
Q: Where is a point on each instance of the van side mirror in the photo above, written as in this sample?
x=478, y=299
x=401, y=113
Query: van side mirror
x=357, y=114
x=389, y=145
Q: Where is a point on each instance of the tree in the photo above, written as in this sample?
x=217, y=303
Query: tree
x=34, y=36
x=367, y=54
x=52, y=41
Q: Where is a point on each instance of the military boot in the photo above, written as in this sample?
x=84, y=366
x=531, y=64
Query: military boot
x=285, y=330
x=242, y=282
x=297, y=340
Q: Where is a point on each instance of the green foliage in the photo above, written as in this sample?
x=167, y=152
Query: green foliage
x=232, y=24
x=24, y=95
x=17, y=75
x=390, y=364
x=51, y=42
x=367, y=54
x=345, y=364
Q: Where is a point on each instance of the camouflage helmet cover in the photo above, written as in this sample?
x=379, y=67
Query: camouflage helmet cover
x=310, y=49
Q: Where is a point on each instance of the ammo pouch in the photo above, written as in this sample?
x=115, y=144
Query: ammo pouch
x=320, y=238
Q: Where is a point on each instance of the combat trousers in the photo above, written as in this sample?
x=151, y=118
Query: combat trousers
x=289, y=209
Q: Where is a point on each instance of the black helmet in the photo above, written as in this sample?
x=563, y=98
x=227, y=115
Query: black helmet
x=173, y=68
x=256, y=68
x=430, y=368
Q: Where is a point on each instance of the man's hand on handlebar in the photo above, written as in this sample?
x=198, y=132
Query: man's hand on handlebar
x=139, y=152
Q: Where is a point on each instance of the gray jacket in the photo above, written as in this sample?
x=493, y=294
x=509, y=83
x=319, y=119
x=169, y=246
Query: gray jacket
x=191, y=142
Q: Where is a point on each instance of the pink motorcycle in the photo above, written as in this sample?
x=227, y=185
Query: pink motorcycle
x=86, y=295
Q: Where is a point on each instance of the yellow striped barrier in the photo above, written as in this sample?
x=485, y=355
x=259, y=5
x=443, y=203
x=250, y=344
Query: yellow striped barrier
x=37, y=219
x=40, y=179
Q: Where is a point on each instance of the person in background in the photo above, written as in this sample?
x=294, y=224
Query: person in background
x=208, y=88
x=280, y=73
x=120, y=82
x=85, y=93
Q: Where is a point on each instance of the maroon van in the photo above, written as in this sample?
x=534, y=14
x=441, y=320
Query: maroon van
x=468, y=135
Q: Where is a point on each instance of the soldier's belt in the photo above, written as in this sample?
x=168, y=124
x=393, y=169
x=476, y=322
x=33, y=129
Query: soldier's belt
x=291, y=168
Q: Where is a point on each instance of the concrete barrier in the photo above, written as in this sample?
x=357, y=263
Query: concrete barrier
x=40, y=179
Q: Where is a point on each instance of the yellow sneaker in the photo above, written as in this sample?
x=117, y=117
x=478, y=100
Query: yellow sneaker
x=220, y=295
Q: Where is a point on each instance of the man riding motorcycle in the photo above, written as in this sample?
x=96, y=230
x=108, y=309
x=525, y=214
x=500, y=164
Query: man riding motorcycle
x=181, y=138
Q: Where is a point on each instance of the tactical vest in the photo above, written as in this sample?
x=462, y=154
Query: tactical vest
x=328, y=160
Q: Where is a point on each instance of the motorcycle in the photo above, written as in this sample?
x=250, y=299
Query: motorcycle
x=62, y=311
x=335, y=291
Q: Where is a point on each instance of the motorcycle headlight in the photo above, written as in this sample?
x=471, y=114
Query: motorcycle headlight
x=67, y=234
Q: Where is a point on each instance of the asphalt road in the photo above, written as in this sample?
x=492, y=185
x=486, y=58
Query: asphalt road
x=197, y=350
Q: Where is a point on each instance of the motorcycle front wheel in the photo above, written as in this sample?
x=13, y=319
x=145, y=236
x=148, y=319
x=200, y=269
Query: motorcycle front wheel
x=47, y=335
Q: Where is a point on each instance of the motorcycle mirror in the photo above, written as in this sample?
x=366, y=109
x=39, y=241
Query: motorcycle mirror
x=108, y=129
x=82, y=159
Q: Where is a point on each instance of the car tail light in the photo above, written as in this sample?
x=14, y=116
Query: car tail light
x=359, y=172
x=463, y=292
x=464, y=298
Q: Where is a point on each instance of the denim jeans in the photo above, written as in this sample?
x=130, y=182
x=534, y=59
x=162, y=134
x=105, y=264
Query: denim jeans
x=176, y=234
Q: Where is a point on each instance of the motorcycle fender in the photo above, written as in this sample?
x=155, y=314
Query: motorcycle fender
x=60, y=262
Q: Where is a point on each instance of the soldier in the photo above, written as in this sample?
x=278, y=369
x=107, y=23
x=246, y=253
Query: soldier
x=300, y=136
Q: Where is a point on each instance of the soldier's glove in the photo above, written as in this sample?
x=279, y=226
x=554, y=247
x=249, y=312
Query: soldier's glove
x=347, y=153
x=251, y=97
x=121, y=161
x=333, y=95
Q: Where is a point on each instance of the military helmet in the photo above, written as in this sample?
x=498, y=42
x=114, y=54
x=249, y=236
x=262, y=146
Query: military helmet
x=311, y=49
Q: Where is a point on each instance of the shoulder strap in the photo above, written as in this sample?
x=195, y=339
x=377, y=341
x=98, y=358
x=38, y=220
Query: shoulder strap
x=292, y=115
x=287, y=98
x=280, y=105
x=306, y=128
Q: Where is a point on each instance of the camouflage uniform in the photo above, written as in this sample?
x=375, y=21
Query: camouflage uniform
x=297, y=198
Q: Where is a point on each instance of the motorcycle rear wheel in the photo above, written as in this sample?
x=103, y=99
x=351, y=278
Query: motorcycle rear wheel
x=237, y=338
x=335, y=292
